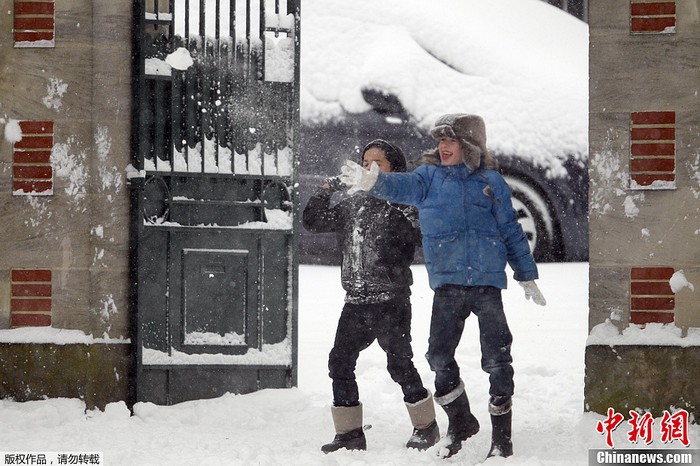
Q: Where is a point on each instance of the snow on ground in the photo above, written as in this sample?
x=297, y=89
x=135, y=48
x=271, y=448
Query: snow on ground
x=288, y=426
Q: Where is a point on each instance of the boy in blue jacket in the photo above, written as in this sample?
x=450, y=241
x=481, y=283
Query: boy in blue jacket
x=470, y=231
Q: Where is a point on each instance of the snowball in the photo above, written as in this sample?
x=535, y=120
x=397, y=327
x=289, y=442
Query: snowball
x=678, y=282
x=180, y=59
x=13, y=133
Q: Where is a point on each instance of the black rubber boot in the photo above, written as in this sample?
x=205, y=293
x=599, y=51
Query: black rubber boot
x=501, y=444
x=462, y=424
x=348, y=427
x=353, y=440
x=426, y=432
x=422, y=439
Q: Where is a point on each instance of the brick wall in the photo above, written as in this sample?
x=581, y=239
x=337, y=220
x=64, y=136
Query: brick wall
x=653, y=149
x=30, y=303
x=34, y=23
x=31, y=165
x=652, y=17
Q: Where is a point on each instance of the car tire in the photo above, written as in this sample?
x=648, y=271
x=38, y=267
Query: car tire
x=536, y=218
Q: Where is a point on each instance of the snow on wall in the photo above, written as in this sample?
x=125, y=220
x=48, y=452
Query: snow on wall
x=56, y=336
x=69, y=162
x=652, y=334
x=678, y=282
x=694, y=171
x=608, y=180
x=54, y=94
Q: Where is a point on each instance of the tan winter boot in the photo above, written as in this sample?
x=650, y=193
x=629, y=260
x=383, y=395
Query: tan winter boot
x=426, y=432
x=348, y=427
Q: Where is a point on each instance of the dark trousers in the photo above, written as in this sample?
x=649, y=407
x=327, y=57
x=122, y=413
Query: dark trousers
x=452, y=304
x=360, y=324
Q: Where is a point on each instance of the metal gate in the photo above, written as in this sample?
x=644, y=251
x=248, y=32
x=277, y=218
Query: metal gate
x=213, y=198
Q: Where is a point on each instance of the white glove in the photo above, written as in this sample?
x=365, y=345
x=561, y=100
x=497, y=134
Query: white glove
x=357, y=178
x=532, y=291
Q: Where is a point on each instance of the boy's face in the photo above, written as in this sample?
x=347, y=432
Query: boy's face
x=378, y=156
x=450, y=151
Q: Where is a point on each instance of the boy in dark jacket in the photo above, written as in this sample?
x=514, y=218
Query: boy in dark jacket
x=378, y=241
x=470, y=231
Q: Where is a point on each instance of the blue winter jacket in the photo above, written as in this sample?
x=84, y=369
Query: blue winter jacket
x=468, y=223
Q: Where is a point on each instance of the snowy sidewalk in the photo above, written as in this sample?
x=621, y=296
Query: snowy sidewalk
x=287, y=427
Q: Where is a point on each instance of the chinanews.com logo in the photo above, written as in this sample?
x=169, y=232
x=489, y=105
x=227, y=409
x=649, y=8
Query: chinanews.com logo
x=673, y=428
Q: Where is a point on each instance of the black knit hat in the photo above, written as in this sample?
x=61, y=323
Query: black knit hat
x=393, y=154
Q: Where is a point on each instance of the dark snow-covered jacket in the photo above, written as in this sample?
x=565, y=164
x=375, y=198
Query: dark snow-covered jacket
x=378, y=241
x=469, y=227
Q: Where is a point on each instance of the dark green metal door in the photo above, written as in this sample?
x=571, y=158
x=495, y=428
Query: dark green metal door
x=214, y=203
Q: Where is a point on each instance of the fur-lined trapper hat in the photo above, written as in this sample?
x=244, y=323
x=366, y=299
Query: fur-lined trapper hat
x=393, y=154
x=470, y=131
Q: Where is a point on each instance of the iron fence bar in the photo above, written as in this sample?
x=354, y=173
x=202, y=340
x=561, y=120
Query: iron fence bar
x=246, y=73
x=202, y=18
x=203, y=84
x=232, y=19
x=176, y=97
x=187, y=23
x=159, y=137
x=231, y=62
x=215, y=108
x=185, y=104
x=260, y=98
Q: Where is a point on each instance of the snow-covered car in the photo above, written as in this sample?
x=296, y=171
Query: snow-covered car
x=389, y=69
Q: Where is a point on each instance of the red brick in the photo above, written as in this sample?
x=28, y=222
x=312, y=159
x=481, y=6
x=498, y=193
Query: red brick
x=651, y=273
x=31, y=275
x=650, y=9
x=34, y=127
x=32, y=171
x=21, y=36
x=651, y=317
x=35, y=156
x=30, y=320
x=651, y=288
x=19, y=291
x=654, y=149
x=33, y=23
x=652, y=304
x=653, y=118
x=32, y=186
x=34, y=8
x=652, y=24
x=653, y=165
x=30, y=305
x=648, y=180
x=35, y=142
x=653, y=134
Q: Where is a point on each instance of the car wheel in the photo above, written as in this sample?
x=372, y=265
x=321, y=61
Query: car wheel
x=536, y=218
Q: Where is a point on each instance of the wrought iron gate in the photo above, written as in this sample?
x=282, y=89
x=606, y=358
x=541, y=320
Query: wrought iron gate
x=214, y=203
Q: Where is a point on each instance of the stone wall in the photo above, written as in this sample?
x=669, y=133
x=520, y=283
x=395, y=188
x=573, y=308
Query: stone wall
x=80, y=232
x=634, y=228
x=83, y=85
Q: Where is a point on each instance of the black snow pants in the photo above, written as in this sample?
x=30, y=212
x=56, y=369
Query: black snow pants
x=360, y=324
